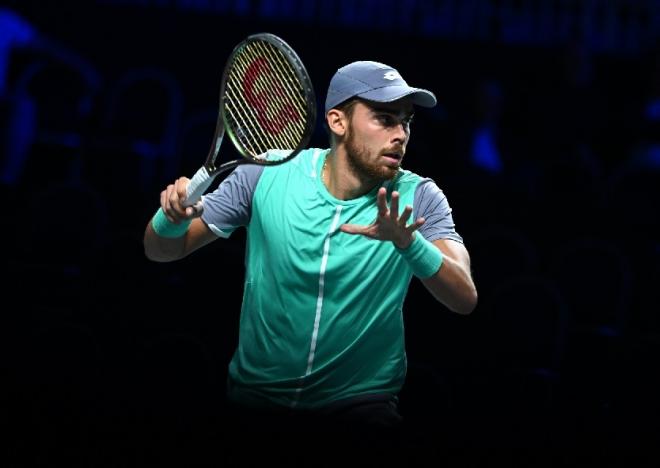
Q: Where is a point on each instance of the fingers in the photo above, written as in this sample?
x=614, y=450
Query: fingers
x=389, y=225
x=352, y=228
x=175, y=200
x=381, y=201
x=182, y=188
x=416, y=225
x=171, y=201
x=195, y=210
x=394, y=206
x=163, y=200
x=393, y=211
x=403, y=219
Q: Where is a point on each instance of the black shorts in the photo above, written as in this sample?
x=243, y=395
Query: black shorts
x=365, y=428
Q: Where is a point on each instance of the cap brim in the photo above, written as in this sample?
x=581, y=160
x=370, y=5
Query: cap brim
x=418, y=96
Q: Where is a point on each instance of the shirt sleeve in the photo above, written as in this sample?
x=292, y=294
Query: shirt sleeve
x=431, y=203
x=230, y=205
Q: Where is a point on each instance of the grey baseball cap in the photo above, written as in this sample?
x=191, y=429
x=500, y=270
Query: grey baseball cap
x=375, y=82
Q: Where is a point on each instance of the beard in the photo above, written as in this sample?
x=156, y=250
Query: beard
x=363, y=164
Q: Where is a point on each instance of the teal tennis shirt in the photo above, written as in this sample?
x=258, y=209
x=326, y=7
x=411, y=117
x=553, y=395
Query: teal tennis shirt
x=322, y=317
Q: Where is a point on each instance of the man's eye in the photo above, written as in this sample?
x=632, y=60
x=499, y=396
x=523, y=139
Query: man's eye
x=386, y=120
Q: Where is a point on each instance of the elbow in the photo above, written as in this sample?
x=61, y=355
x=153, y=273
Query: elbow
x=471, y=303
x=468, y=304
x=153, y=256
x=463, y=305
x=157, y=255
x=149, y=249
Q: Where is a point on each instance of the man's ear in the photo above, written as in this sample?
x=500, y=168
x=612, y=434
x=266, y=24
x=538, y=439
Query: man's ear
x=336, y=120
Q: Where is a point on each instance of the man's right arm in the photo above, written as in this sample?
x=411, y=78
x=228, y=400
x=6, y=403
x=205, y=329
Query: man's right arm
x=166, y=242
x=164, y=249
x=223, y=210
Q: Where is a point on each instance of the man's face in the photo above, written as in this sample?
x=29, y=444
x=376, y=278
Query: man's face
x=376, y=138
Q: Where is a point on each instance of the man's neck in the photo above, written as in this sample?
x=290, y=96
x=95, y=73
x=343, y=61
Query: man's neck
x=340, y=178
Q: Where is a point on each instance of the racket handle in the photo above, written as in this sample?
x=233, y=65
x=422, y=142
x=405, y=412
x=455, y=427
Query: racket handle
x=197, y=186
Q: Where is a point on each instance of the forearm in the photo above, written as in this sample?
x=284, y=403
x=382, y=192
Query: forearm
x=163, y=249
x=452, y=285
x=444, y=268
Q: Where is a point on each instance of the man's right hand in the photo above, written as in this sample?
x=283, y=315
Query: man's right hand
x=172, y=199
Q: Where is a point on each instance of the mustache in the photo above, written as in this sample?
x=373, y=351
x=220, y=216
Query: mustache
x=400, y=149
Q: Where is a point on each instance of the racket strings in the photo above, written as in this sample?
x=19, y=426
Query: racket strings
x=295, y=93
x=290, y=89
x=268, y=93
x=244, y=121
x=265, y=101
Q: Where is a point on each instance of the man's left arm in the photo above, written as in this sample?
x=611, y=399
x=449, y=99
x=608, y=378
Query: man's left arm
x=452, y=284
x=443, y=265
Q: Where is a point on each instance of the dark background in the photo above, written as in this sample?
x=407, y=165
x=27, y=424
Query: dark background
x=546, y=141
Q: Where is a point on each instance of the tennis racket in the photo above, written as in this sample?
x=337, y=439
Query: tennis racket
x=267, y=107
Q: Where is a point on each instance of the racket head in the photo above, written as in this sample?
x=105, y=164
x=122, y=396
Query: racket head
x=267, y=100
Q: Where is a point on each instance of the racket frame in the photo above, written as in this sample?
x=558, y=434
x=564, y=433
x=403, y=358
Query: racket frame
x=203, y=178
x=221, y=126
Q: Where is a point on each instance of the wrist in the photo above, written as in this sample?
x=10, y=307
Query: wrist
x=403, y=244
x=163, y=227
x=424, y=258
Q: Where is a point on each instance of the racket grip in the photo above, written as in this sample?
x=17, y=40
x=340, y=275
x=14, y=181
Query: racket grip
x=200, y=182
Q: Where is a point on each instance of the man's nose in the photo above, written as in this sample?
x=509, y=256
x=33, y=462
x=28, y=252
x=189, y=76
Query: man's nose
x=401, y=132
